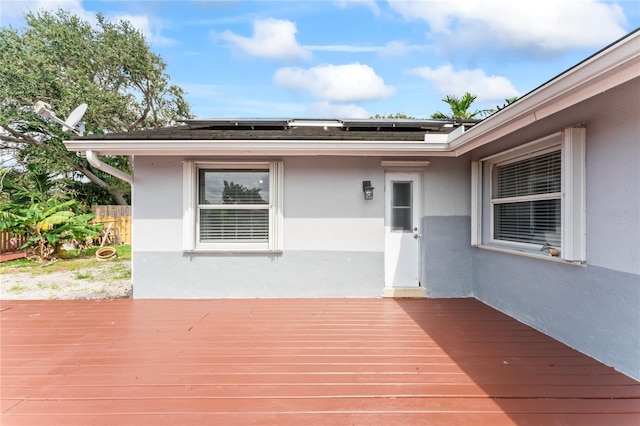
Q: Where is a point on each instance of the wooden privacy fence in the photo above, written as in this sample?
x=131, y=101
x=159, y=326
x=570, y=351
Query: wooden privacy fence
x=116, y=221
x=10, y=243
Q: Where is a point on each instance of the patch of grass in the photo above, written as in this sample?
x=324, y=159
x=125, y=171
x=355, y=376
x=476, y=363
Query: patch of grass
x=16, y=264
x=17, y=288
x=115, y=271
x=123, y=252
x=83, y=260
x=80, y=275
x=52, y=286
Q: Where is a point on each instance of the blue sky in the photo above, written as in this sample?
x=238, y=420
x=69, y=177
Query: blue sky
x=355, y=59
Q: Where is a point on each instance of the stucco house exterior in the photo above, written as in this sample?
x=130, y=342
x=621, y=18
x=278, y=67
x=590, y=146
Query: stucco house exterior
x=534, y=211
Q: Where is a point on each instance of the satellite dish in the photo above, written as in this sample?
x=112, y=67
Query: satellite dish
x=74, y=118
x=43, y=109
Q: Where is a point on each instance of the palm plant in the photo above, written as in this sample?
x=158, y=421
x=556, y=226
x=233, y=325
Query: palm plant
x=507, y=102
x=460, y=108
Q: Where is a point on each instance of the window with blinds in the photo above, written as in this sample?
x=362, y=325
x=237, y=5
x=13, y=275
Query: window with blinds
x=233, y=205
x=526, y=199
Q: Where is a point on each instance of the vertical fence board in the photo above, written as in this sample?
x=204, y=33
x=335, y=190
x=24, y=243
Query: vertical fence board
x=5, y=242
x=119, y=217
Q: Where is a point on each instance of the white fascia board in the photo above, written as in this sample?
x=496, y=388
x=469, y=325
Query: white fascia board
x=612, y=67
x=252, y=147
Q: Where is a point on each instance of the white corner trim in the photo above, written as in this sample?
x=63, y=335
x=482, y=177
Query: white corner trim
x=574, y=227
x=476, y=203
x=276, y=242
x=188, y=205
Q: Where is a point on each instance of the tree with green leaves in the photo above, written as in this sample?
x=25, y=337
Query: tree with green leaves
x=64, y=61
x=460, y=108
x=235, y=193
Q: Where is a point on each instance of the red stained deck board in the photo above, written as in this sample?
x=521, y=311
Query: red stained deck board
x=295, y=361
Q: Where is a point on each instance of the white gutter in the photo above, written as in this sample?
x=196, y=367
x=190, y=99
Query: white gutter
x=93, y=159
x=252, y=147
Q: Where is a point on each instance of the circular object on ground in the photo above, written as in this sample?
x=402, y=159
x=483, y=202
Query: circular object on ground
x=105, y=253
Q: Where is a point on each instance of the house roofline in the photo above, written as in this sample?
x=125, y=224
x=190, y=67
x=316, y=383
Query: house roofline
x=614, y=65
x=610, y=67
x=251, y=147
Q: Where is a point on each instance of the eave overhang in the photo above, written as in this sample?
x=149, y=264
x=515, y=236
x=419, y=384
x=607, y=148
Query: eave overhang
x=261, y=147
x=611, y=67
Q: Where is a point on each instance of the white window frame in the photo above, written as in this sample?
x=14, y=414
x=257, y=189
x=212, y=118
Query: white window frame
x=191, y=208
x=571, y=142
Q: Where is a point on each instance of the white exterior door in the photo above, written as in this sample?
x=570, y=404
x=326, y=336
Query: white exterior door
x=402, y=229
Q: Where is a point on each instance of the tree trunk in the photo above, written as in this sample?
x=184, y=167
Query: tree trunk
x=117, y=196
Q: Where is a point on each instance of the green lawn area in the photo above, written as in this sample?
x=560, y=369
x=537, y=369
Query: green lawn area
x=74, y=261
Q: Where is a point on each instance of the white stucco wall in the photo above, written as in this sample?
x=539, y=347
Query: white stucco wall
x=333, y=238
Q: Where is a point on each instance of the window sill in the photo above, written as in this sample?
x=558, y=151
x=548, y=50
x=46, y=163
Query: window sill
x=232, y=251
x=531, y=254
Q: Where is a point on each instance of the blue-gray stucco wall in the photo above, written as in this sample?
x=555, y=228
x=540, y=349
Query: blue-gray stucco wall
x=590, y=308
x=594, y=308
x=446, y=256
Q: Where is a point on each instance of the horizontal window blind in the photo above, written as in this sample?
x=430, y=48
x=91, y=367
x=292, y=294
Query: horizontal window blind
x=526, y=199
x=534, y=222
x=533, y=176
x=234, y=224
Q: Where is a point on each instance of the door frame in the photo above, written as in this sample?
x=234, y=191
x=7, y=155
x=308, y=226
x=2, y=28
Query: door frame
x=392, y=247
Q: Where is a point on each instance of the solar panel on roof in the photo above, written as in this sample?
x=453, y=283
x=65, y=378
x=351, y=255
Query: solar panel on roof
x=384, y=124
x=239, y=122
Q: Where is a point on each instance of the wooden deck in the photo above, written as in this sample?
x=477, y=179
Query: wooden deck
x=295, y=362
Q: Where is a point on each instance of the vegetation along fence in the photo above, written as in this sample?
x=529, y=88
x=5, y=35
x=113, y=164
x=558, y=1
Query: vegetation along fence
x=117, y=223
x=10, y=243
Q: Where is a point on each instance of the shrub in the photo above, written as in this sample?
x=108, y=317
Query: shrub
x=47, y=224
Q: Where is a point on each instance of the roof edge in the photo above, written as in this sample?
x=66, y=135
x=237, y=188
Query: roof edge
x=614, y=65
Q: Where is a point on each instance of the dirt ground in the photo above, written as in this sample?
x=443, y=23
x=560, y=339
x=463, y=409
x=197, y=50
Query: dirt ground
x=107, y=281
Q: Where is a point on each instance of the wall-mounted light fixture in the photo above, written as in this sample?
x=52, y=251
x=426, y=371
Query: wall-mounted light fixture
x=367, y=189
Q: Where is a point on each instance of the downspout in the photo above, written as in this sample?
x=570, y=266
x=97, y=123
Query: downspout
x=98, y=164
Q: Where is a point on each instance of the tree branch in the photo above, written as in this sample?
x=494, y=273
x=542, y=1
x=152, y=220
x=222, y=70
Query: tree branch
x=139, y=120
x=20, y=137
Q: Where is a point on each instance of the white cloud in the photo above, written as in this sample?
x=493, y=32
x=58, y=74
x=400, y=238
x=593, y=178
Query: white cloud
x=450, y=82
x=15, y=10
x=150, y=29
x=328, y=110
x=344, y=83
x=400, y=48
x=272, y=38
x=343, y=48
x=547, y=25
x=370, y=4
